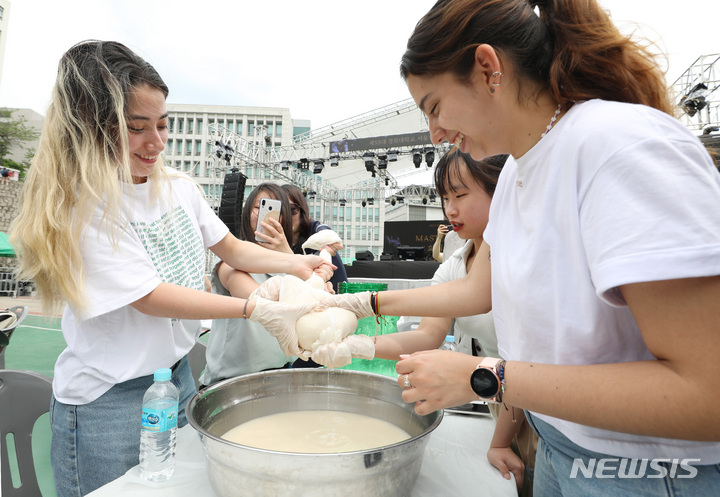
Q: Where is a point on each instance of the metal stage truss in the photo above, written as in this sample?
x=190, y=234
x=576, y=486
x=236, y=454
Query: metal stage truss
x=697, y=94
x=297, y=163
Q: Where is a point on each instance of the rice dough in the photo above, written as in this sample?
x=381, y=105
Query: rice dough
x=330, y=325
x=316, y=432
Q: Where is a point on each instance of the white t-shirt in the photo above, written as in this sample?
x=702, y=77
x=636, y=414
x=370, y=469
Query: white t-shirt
x=452, y=243
x=479, y=326
x=614, y=194
x=112, y=342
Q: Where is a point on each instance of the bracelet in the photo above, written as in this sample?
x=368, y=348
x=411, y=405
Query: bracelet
x=373, y=302
x=501, y=376
x=245, y=309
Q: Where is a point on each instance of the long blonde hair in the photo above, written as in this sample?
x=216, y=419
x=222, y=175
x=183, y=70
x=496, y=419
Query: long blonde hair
x=81, y=164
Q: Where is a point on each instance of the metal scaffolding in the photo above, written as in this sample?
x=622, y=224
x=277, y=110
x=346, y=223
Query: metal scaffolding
x=697, y=93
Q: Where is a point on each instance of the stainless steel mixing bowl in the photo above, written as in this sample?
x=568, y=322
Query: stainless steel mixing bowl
x=236, y=469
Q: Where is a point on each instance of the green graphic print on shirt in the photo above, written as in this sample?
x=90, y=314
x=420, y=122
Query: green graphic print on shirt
x=175, y=248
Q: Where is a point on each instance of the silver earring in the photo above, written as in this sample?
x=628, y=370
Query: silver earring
x=499, y=77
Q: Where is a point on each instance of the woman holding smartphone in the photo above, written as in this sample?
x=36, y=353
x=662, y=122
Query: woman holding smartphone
x=239, y=346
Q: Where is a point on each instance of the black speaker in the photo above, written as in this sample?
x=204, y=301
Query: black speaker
x=365, y=255
x=231, y=201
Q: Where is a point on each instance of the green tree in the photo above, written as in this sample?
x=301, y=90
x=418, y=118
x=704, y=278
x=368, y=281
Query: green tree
x=14, y=133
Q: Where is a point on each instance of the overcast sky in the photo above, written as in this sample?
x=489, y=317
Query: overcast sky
x=326, y=60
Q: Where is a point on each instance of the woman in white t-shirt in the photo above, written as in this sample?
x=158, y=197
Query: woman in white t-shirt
x=105, y=229
x=605, y=246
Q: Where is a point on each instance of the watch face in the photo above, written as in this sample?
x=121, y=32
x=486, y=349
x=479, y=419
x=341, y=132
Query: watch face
x=484, y=383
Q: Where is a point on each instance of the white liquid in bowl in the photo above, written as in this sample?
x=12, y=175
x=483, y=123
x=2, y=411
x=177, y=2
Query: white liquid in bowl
x=316, y=432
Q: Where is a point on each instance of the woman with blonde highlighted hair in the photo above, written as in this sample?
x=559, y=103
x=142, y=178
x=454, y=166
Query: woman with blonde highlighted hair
x=106, y=229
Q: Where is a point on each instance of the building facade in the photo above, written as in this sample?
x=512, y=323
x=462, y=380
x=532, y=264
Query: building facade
x=4, y=22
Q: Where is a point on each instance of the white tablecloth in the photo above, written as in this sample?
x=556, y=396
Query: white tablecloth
x=454, y=464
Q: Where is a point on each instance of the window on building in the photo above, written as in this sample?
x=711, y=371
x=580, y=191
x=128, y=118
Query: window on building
x=278, y=129
x=190, y=125
x=364, y=233
x=377, y=214
x=270, y=129
x=348, y=213
x=2, y=11
x=251, y=129
x=188, y=147
x=357, y=232
x=199, y=126
x=171, y=124
x=181, y=124
x=169, y=147
x=198, y=147
x=238, y=127
x=357, y=214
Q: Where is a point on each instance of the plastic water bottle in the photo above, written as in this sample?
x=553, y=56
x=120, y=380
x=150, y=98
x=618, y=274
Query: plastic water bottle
x=449, y=343
x=159, y=428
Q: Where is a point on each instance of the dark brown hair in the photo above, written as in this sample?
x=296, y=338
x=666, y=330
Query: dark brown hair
x=296, y=197
x=485, y=172
x=571, y=48
x=247, y=232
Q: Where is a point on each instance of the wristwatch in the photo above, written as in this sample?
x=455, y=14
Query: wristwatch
x=485, y=381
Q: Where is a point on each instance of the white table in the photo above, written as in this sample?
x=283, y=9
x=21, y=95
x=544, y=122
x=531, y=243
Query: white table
x=454, y=464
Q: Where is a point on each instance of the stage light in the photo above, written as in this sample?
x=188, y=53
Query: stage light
x=387, y=181
x=285, y=165
x=369, y=159
x=392, y=155
x=424, y=200
x=382, y=161
x=219, y=153
x=304, y=164
x=228, y=157
x=400, y=199
x=417, y=157
x=334, y=160
x=432, y=197
x=305, y=192
x=268, y=140
x=318, y=168
x=694, y=101
x=371, y=201
x=342, y=202
x=364, y=204
x=393, y=201
x=429, y=156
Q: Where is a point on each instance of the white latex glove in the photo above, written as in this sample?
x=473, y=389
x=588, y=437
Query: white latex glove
x=357, y=303
x=339, y=354
x=279, y=318
x=270, y=289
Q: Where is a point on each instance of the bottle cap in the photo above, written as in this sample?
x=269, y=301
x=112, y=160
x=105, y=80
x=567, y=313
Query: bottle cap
x=162, y=374
x=450, y=338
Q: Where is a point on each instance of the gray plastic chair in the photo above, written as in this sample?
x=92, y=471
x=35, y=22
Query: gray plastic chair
x=21, y=312
x=24, y=397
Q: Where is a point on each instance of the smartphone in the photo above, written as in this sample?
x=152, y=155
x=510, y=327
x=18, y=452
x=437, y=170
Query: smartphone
x=474, y=408
x=269, y=208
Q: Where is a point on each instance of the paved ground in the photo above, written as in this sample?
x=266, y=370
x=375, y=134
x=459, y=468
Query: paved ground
x=32, y=302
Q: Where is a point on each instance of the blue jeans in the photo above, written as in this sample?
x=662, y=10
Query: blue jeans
x=96, y=443
x=556, y=456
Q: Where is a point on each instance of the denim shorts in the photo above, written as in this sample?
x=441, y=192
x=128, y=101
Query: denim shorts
x=96, y=443
x=563, y=468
